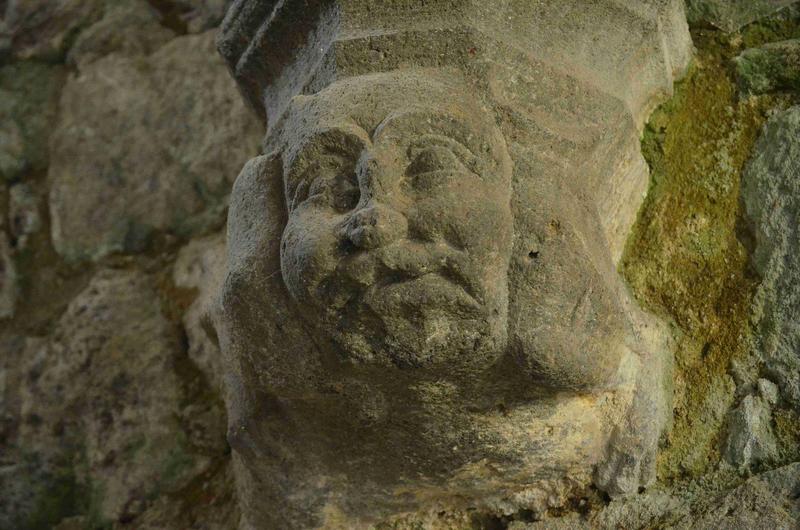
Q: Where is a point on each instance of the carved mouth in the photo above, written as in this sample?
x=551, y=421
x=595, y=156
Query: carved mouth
x=414, y=298
x=428, y=278
x=407, y=274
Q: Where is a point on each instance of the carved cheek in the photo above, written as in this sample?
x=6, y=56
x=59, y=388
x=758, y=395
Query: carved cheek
x=471, y=216
x=308, y=252
x=489, y=225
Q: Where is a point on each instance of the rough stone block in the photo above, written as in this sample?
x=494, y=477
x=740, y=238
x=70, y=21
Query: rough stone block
x=771, y=195
x=772, y=67
x=154, y=151
x=750, y=439
x=200, y=266
x=44, y=29
x=731, y=15
x=130, y=27
x=108, y=381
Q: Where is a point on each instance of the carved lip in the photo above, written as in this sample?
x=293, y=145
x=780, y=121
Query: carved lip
x=416, y=265
x=436, y=283
x=394, y=277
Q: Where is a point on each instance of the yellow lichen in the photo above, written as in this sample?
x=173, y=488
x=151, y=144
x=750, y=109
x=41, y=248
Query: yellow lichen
x=685, y=260
x=787, y=432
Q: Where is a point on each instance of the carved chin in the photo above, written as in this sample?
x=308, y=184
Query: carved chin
x=436, y=340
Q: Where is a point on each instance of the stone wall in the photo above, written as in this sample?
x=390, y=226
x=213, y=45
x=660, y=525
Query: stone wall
x=120, y=134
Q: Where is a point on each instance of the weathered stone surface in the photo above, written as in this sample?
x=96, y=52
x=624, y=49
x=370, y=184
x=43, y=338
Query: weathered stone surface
x=130, y=27
x=415, y=267
x=18, y=473
x=44, y=29
x=768, y=391
x=154, y=151
x=731, y=15
x=765, y=502
x=107, y=393
x=211, y=506
x=774, y=66
x=750, y=438
x=771, y=193
x=28, y=104
x=200, y=266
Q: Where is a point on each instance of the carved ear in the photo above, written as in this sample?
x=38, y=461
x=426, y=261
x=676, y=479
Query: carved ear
x=250, y=233
x=257, y=212
x=260, y=335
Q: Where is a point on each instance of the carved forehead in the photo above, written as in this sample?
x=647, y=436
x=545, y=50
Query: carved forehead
x=393, y=103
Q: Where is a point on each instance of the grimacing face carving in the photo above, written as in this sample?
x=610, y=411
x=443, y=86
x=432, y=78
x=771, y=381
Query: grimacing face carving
x=399, y=225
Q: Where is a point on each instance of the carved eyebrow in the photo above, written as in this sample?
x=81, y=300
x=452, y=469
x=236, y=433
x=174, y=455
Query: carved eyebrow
x=440, y=125
x=337, y=142
x=457, y=146
x=340, y=141
x=461, y=151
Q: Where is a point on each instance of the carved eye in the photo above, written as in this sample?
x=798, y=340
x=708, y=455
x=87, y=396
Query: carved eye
x=328, y=180
x=345, y=192
x=433, y=158
x=435, y=155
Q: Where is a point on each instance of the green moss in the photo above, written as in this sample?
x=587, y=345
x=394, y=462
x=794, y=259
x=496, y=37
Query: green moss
x=29, y=93
x=134, y=447
x=94, y=510
x=60, y=497
x=59, y=490
x=684, y=259
x=174, y=466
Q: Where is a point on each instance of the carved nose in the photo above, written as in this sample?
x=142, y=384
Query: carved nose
x=375, y=225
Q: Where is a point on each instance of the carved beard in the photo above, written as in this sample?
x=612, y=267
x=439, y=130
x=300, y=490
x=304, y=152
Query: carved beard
x=416, y=322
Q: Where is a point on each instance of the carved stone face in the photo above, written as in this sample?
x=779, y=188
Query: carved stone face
x=399, y=226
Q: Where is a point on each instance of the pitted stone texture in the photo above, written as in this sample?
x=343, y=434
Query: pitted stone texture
x=11, y=347
x=772, y=67
x=423, y=263
x=44, y=29
x=106, y=384
x=750, y=438
x=771, y=193
x=731, y=15
x=765, y=502
x=179, y=129
x=130, y=27
x=215, y=508
x=200, y=266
